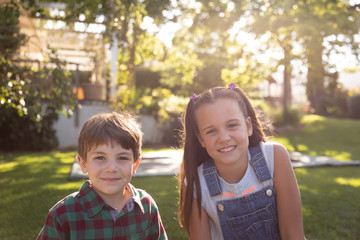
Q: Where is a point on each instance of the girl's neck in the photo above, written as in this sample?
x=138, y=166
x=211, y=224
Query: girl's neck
x=233, y=173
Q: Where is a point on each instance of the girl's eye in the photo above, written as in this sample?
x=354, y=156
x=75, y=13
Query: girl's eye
x=123, y=158
x=211, y=131
x=232, y=125
x=100, y=158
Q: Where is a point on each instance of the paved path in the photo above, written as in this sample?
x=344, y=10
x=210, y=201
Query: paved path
x=168, y=162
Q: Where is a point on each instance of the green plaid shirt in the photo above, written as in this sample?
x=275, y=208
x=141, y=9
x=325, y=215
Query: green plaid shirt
x=85, y=215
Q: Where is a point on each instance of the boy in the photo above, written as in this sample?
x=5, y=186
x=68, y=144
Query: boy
x=107, y=206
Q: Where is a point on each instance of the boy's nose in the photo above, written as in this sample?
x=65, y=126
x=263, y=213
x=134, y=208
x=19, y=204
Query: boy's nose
x=111, y=165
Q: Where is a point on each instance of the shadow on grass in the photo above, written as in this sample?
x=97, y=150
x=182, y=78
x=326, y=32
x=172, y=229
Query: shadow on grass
x=330, y=201
x=30, y=184
x=337, y=138
x=165, y=192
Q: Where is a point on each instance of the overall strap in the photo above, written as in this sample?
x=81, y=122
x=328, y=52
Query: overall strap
x=211, y=177
x=258, y=163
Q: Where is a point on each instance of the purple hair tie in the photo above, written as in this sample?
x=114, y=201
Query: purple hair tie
x=192, y=98
x=232, y=86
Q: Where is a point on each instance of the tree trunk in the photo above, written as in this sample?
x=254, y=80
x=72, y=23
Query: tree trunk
x=315, y=77
x=131, y=64
x=286, y=84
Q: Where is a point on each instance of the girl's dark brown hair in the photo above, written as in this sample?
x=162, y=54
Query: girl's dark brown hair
x=110, y=127
x=195, y=154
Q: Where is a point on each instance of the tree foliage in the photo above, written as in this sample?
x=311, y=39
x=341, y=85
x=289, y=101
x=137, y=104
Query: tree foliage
x=209, y=35
x=320, y=20
x=123, y=20
x=30, y=97
x=320, y=27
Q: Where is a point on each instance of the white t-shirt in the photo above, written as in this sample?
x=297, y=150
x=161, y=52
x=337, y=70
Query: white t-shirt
x=248, y=184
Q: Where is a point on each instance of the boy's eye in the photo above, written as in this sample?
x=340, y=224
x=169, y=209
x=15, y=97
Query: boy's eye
x=123, y=158
x=100, y=158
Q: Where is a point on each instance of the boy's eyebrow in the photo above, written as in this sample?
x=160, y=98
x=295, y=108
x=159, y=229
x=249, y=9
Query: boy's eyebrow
x=125, y=152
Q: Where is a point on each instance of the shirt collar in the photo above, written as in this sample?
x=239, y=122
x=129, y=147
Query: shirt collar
x=93, y=203
x=136, y=197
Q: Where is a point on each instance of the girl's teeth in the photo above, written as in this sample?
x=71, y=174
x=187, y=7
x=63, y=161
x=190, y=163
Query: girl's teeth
x=226, y=149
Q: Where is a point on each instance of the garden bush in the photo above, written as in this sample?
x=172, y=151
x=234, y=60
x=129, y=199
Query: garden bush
x=24, y=134
x=278, y=119
x=354, y=106
x=31, y=93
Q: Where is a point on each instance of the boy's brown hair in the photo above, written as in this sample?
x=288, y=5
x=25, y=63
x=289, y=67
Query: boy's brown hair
x=114, y=127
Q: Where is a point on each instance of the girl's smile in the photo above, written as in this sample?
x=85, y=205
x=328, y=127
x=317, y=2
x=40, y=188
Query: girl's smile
x=227, y=149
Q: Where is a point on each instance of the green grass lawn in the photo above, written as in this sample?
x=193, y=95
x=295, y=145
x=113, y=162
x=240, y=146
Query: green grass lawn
x=332, y=137
x=32, y=183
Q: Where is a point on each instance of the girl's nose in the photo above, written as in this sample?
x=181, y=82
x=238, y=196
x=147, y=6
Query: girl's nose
x=224, y=136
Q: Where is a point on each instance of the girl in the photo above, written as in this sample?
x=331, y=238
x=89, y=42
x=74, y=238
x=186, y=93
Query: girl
x=233, y=185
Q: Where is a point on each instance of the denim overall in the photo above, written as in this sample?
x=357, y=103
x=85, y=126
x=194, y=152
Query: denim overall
x=252, y=216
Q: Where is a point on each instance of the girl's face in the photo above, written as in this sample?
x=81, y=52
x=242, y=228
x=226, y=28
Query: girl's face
x=224, y=131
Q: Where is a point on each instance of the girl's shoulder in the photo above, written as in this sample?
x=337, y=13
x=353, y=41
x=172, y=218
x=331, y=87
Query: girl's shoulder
x=273, y=147
x=279, y=149
x=274, y=153
x=281, y=156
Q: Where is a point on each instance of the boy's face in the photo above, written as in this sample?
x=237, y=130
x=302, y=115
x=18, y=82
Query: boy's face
x=110, y=169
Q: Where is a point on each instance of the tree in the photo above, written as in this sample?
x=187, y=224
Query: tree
x=307, y=23
x=123, y=20
x=30, y=98
x=208, y=34
x=277, y=18
x=319, y=20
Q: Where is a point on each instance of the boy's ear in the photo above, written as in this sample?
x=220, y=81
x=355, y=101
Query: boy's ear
x=82, y=163
x=136, y=164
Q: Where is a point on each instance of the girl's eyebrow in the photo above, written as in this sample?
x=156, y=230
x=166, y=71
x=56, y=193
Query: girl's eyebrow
x=233, y=120
x=206, y=128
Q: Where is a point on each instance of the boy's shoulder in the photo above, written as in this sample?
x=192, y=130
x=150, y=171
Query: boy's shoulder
x=61, y=206
x=142, y=197
x=139, y=193
x=72, y=202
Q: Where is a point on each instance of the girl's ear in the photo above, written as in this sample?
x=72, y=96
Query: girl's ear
x=200, y=140
x=249, y=126
x=82, y=163
x=136, y=165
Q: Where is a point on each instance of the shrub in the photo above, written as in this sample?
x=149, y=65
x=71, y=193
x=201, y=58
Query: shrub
x=279, y=119
x=24, y=134
x=354, y=106
x=335, y=103
x=30, y=98
x=158, y=102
